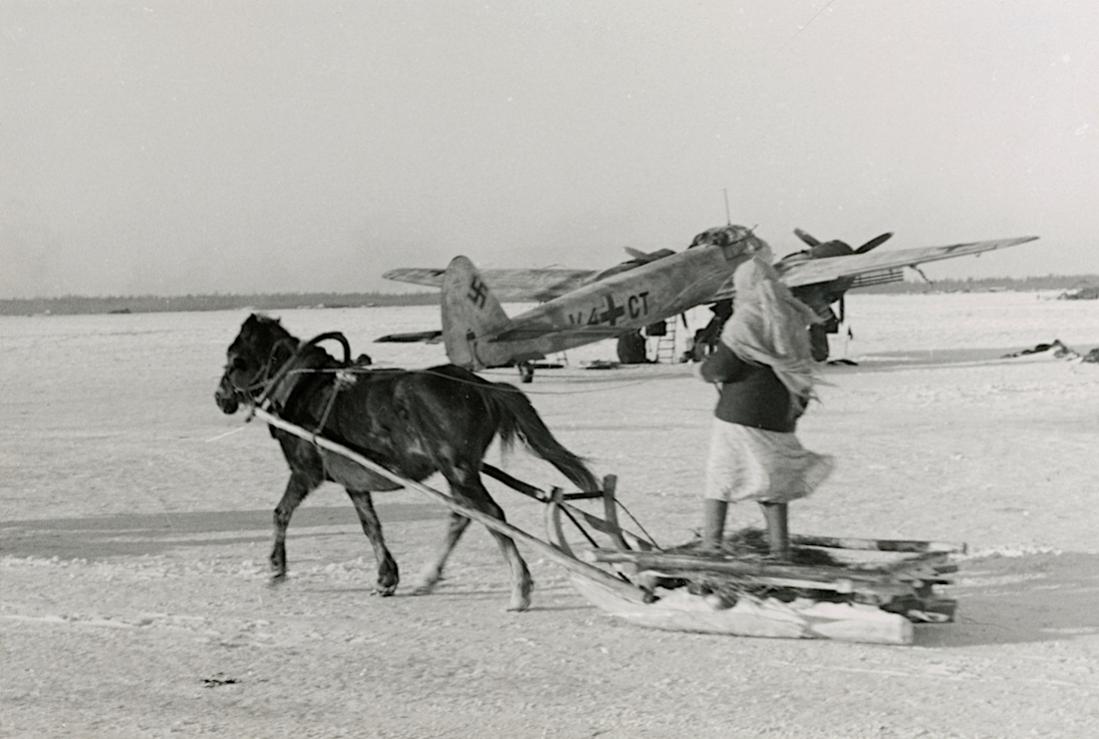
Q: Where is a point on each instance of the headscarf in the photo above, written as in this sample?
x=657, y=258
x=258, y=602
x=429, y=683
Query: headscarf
x=770, y=326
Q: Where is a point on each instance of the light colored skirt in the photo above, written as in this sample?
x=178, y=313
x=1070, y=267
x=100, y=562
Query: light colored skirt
x=747, y=463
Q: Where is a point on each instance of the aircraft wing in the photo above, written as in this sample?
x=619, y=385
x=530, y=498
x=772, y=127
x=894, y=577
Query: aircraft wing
x=508, y=284
x=812, y=271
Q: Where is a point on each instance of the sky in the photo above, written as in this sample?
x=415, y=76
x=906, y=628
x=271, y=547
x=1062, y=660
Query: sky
x=239, y=146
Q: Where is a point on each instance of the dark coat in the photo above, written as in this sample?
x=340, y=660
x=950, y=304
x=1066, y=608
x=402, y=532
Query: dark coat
x=751, y=394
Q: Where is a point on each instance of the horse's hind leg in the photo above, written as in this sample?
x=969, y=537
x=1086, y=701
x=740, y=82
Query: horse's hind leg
x=433, y=572
x=372, y=527
x=473, y=492
x=299, y=486
x=521, y=584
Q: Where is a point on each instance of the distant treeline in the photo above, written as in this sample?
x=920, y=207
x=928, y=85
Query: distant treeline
x=988, y=284
x=75, y=304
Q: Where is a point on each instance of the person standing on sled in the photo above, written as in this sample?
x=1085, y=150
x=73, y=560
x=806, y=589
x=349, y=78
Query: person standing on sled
x=763, y=364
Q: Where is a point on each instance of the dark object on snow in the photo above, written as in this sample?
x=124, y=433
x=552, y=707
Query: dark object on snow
x=1056, y=347
x=1090, y=292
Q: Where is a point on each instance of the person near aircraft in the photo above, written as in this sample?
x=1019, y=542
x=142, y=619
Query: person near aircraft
x=764, y=368
x=707, y=338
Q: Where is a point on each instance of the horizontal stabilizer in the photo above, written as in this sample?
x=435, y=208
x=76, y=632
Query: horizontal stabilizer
x=409, y=337
x=507, y=284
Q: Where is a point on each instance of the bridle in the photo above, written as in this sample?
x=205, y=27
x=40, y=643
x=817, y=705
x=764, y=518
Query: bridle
x=263, y=380
x=260, y=380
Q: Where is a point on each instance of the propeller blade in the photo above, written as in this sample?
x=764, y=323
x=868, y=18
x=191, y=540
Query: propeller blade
x=806, y=237
x=843, y=308
x=635, y=253
x=875, y=242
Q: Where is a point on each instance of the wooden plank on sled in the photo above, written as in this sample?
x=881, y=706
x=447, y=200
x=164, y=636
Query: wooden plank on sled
x=740, y=567
x=877, y=545
x=883, y=592
x=620, y=588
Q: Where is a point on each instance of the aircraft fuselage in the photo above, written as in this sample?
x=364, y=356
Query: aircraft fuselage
x=622, y=302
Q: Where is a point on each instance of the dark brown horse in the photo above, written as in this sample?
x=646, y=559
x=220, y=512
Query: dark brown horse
x=414, y=422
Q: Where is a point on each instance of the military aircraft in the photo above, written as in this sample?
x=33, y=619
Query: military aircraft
x=579, y=307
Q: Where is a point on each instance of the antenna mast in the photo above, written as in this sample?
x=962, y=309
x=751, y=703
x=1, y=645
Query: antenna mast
x=728, y=218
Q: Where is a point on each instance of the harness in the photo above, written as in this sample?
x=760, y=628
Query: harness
x=270, y=385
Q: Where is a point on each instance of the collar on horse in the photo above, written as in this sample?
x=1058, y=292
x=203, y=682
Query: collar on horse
x=277, y=390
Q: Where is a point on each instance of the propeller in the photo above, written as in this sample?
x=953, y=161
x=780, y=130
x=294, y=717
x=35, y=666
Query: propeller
x=807, y=237
x=814, y=242
x=875, y=242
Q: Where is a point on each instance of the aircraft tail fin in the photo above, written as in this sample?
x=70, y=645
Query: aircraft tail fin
x=471, y=317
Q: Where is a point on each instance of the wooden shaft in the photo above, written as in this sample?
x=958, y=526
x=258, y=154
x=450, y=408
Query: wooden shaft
x=622, y=588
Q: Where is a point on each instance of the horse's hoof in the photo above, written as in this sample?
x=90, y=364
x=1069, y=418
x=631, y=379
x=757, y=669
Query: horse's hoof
x=277, y=579
x=428, y=579
x=521, y=601
x=520, y=605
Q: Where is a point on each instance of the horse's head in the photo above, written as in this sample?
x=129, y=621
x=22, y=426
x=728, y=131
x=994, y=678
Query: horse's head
x=255, y=355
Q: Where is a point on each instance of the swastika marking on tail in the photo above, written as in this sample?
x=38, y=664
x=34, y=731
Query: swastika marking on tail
x=477, y=292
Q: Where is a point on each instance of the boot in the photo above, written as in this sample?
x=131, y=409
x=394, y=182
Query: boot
x=713, y=523
x=778, y=534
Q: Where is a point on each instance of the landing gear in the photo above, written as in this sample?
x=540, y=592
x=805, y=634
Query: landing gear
x=526, y=372
x=818, y=342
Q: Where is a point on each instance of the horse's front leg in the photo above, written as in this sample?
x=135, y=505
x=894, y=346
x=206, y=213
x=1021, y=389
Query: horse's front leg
x=372, y=527
x=299, y=486
x=433, y=572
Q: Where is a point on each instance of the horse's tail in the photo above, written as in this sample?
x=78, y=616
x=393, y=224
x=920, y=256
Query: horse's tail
x=519, y=419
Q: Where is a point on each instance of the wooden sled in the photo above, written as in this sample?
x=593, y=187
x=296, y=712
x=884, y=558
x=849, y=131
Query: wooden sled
x=874, y=592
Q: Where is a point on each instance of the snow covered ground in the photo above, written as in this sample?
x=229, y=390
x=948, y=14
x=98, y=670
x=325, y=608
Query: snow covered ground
x=136, y=526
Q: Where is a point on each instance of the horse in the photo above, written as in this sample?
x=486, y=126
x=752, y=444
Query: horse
x=413, y=422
